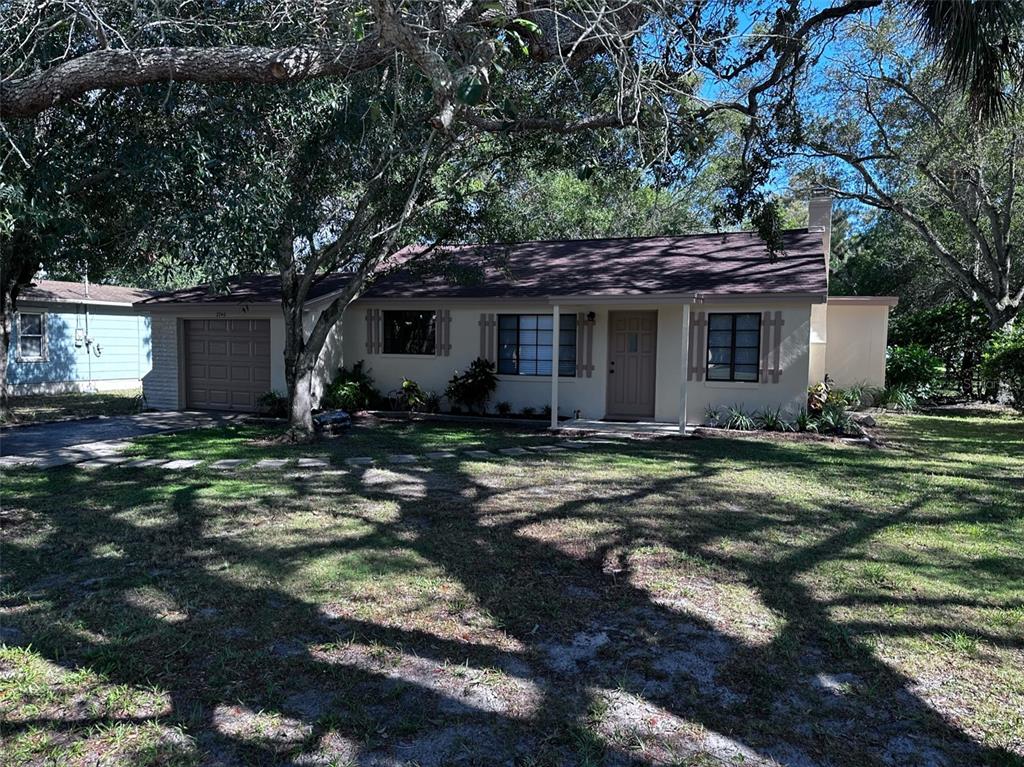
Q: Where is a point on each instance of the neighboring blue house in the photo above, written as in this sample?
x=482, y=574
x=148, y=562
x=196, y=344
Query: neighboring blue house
x=69, y=336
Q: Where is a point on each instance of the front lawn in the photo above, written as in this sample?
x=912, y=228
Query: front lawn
x=34, y=408
x=698, y=602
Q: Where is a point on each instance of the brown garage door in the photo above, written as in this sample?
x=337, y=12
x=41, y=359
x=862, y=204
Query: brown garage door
x=228, y=364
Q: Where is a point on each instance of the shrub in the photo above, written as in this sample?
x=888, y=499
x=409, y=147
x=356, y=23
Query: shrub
x=817, y=395
x=897, y=398
x=804, y=421
x=352, y=390
x=738, y=420
x=913, y=368
x=272, y=405
x=1003, y=362
x=473, y=388
x=835, y=420
x=409, y=396
x=855, y=397
x=503, y=408
x=772, y=420
x=529, y=412
x=712, y=416
x=432, y=402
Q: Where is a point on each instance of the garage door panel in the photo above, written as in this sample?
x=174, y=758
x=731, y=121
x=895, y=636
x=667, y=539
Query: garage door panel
x=228, y=365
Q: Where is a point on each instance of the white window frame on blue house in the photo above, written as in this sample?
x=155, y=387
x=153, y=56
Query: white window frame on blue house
x=41, y=335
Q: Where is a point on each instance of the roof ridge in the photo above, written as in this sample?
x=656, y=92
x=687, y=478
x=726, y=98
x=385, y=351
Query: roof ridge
x=642, y=238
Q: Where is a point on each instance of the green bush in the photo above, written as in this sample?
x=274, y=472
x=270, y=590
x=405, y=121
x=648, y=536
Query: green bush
x=352, y=390
x=896, y=398
x=410, y=396
x=835, y=420
x=856, y=397
x=804, y=421
x=771, y=419
x=912, y=368
x=473, y=388
x=737, y=419
x=272, y=405
x=1003, y=362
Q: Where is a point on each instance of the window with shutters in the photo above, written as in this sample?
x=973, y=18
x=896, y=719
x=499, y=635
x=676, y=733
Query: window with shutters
x=734, y=347
x=525, y=343
x=409, y=332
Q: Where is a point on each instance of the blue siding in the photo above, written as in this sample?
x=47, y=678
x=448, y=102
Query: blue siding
x=121, y=335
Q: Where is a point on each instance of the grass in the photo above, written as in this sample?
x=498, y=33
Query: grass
x=654, y=602
x=55, y=407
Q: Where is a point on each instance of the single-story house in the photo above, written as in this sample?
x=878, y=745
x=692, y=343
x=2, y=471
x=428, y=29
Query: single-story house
x=72, y=336
x=656, y=329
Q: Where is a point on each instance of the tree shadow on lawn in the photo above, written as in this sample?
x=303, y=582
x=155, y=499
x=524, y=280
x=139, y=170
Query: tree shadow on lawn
x=563, y=653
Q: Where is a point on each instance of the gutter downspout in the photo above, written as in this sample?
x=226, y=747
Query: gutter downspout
x=555, y=343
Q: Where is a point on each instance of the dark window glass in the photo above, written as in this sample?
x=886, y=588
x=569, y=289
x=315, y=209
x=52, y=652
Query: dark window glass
x=409, y=332
x=30, y=336
x=525, y=342
x=734, y=347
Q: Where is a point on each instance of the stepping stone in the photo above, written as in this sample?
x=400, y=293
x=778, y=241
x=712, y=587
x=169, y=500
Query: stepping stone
x=480, y=454
x=402, y=458
x=145, y=463
x=548, y=449
x=181, y=464
x=441, y=454
x=57, y=460
x=577, y=445
x=513, y=451
x=312, y=463
x=271, y=463
x=359, y=461
x=111, y=460
x=225, y=464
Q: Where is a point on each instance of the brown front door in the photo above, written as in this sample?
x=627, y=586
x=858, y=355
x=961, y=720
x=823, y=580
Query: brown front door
x=228, y=363
x=632, y=344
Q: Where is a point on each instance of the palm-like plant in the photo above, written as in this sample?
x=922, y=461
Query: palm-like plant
x=980, y=44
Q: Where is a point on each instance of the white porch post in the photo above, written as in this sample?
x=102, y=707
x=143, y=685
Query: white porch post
x=554, y=367
x=684, y=369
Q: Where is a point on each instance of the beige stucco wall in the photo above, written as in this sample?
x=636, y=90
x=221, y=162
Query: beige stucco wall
x=855, y=352
x=588, y=395
x=819, y=340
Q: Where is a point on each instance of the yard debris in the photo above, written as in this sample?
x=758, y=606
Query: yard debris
x=332, y=422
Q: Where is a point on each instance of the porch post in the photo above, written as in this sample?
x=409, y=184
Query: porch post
x=684, y=369
x=554, y=366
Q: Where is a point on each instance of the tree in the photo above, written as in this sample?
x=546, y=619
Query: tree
x=442, y=77
x=894, y=137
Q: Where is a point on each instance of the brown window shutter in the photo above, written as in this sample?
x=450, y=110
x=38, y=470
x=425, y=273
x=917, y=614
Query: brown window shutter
x=776, y=369
x=488, y=337
x=442, y=332
x=369, y=331
x=765, y=343
x=696, y=363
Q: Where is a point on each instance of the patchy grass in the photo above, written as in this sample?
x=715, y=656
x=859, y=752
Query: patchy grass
x=661, y=602
x=36, y=408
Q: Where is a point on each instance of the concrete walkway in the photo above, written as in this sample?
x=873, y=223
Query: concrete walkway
x=53, y=444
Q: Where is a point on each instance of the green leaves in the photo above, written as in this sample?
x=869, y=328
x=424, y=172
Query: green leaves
x=470, y=91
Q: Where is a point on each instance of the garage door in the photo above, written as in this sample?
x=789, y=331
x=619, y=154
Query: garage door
x=228, y=364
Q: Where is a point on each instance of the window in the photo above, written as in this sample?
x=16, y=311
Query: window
x=525, y=341
x=409, y=332
x=734, y=345
x=31, y=339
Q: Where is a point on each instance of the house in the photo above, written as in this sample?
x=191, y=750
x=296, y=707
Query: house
x=71, y=336
x=648, y=328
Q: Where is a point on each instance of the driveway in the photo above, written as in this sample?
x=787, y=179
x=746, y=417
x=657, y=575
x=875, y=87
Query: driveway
x=50, y=438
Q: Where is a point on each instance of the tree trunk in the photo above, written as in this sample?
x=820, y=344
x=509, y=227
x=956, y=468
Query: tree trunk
x=5, y=343
x=300, y=405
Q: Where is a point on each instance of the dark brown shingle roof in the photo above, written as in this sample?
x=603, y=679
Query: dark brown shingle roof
x=74, y=292
x=247, y=289
x=735, y=263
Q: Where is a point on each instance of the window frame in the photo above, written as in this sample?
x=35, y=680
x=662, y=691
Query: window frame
x=41, y=335
x=732, y=349
x=517, y=358
x=384, y=336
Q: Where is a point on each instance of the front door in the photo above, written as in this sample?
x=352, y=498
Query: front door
x=632, y=345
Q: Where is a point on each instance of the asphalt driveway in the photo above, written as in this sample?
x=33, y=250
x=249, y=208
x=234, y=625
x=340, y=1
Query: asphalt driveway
x=47, y=437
